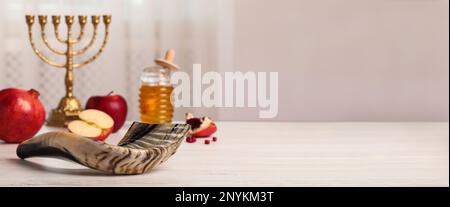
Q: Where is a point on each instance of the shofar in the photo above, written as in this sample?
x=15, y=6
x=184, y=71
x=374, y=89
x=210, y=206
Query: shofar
x=144, y=147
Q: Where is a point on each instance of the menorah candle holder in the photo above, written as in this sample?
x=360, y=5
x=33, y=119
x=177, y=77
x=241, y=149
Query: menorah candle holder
x=69, y=106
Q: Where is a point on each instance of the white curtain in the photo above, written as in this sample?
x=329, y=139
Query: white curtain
x=140, y=31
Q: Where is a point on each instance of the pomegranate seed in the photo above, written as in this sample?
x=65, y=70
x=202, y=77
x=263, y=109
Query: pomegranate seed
x=214, y=139
x=207, y=141
x=191, y=139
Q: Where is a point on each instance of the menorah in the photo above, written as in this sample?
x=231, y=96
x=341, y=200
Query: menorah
x=69, y=106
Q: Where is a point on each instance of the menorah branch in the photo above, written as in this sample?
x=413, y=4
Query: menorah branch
x=99, y=52
x=58, y=37
x=82, y=20
x=80, y=36
x=46, y=42
x=89, y=45
x=39, y=54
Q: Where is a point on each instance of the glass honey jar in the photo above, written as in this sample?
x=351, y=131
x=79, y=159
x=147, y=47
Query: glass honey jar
x=156, y=91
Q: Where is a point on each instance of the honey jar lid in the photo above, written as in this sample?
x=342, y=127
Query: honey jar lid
x=167, y=61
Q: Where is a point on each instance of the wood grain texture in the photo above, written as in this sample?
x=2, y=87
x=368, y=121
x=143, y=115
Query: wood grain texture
x=271, y=154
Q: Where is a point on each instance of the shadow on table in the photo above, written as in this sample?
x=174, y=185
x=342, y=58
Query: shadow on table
x=39, y=167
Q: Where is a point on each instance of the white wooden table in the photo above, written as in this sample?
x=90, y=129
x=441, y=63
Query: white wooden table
x=271, y=154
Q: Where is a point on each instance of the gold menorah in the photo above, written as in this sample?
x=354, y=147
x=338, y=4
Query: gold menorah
x=69, y=106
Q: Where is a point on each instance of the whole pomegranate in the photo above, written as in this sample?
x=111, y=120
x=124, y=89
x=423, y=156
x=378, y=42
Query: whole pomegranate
x=21, y=114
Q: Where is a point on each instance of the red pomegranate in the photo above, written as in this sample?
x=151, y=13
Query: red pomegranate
x=21, y=114
x=200, y=127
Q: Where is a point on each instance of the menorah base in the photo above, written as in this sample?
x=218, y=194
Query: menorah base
x=60, y=118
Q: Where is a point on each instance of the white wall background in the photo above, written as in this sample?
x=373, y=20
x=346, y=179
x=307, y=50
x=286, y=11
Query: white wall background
x=347, y=60
x=351, y=60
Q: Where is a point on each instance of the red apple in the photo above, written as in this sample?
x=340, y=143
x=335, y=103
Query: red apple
x=113, y=105
x=21, y=114
x=93, y=124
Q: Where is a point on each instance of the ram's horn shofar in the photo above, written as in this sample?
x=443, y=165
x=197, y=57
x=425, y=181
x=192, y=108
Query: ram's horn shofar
x=144, y=147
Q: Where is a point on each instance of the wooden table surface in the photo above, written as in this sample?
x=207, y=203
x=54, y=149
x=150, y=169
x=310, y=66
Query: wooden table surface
x=271, y=154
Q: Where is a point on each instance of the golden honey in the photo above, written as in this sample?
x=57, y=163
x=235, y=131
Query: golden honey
x=156, y=91
x=155, y=106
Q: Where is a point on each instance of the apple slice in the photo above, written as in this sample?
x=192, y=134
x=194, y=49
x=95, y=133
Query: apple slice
x=93, y=124
x=97, y=117
x=84, y=129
